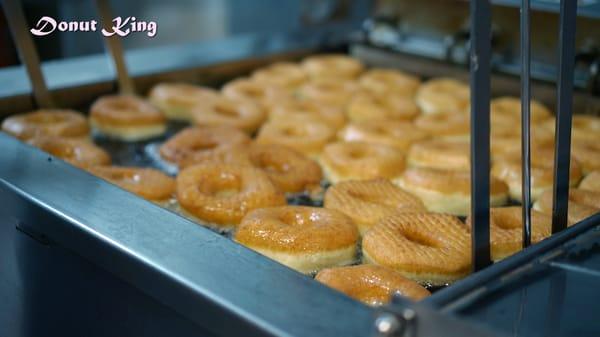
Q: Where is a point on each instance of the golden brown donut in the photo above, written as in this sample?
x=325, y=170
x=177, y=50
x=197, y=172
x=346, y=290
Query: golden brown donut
x=368, y=201
x=585, y=128
x=372, y=285
x=336, y=66
x=360, y=161
x=259, y=93
x=366, y=107
x=392, y=133
x=447, y=191
x=443, y=95
x=587, y=153
x=240, y=114
x=591, y=182
x=219, y=195
x=306, y=239
x=428, y=248
x=80, y=153
x=148, y=183
x=176, y=100
x=582, y=204
x=440, y=154
x=447, y=125
x=506, y=230
x=281, y=74
x=389, y=82
x=305, y=135
x=332, y=92
x=293, y=108
x=507, y=111
x=127, y=118
x=47, y=122
x=193, y=140
x=506, y=140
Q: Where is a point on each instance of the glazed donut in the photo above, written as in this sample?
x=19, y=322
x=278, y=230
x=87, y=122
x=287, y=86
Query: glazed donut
x=507, y=140
x=127, y=118
x=587, y=153
x=331, y=92
x=389, y=82
x=147, y=183
x=176, y=100
x=47, y=122
x=585, y=128
x=440, y=154
x=304, y=135
x=367, y=107
x=281, y=74
x=306, y=239
x=508, y=169
x=372, y=285
x=292, y=108
x=80, y=153
x=582, y=204
x=506, y=230
x=368, y=201
x=219, y=195
x=507, y=111
x=193, y=140
x=446, y=125
x=591, y=182
x=240, y=114
x=360, y=161
x=446, y=191
x=332, y=66
x=428, y=248
x=442, y=95
x=392, y=133
x=259, y=93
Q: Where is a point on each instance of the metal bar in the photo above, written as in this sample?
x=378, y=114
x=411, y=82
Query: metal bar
x=115, y=48
x=480, y=132
x=525, y=121
x=27, y=52
x=562, y=153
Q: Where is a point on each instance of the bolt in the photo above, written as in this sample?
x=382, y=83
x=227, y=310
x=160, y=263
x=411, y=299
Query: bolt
x=387, y=324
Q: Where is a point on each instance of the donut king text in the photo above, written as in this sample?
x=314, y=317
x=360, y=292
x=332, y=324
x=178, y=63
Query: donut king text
x=121, y=26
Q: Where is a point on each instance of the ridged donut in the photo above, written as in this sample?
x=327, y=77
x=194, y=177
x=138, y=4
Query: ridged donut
x=447, y=191
x=240, y=114
x=47, y=122
x=337, y=66
x=389, y=82
x=306, y=239
x=370, y=284
x=591, y=182
x=582, y=204
x=443, y=95
x=368, y=201
x=80, y=153
x=392, y=133
x=428, y=248
x=366, y=107
x=176, y=100
x=440, y=154
x=220, y=195
x=148, y=183
x=281, y=74
x=360, y=161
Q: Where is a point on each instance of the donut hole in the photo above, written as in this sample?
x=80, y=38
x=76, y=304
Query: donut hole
x=270, y=164
x=419, y=238
x=225, y=185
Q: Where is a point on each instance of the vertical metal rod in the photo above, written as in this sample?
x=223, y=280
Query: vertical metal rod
x=480, y=132
x=525, y=122
x=562, y=152
x=27, y=52
x=113, y=43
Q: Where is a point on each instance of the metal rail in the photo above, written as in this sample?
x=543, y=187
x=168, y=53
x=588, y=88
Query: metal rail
x=526, y=121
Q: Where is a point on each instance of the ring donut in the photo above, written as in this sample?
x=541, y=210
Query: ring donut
x=582, y=204
x=447, y=125
x=392, y=133
x=331, y=92
x=440, y=154
x=47, y=122
x=281, y=74
x=443, y=95
x=389, y=82
x=367, y=107
x=296, y=108
x=147, y=183
x=80, y=153
x=240, y=114
x=332, y=66
x=591, y=182
x=176, y=100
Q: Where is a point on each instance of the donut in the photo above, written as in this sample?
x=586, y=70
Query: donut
x=176, y=100
x=443, y=95
x=240, y=114
x=446, y=125
x=306, y=239
x=193, y=140
x=447, y=191
x=360, y=161
x=305, y=135
x=508, y=168
x=148, y=183
x=584, y=128
x=370, y=284
x=587, y=153
x=582, y=204
x=366, y=107
x=80, y=153
x=368, y=201
x=506, y=140
x=389, y=82
x=281, y=74
x=392, y=133
x=428, y=248
x=259, y=93
x=292, y=108
x=440, y=154
x=332, y=66
x=332, y=92
x=219, y=195
x=127, y=118
x=47, y=122
x=506, y=230
x=591, y=182
x=507, y=111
